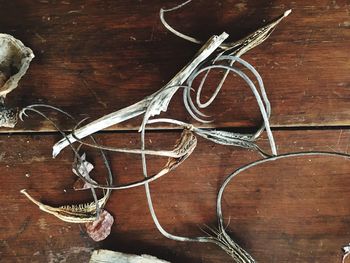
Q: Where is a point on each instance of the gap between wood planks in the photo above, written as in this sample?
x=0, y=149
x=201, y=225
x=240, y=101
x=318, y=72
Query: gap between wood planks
x=170, y=129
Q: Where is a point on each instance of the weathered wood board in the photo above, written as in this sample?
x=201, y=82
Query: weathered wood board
x=95, y=57
x=288, y=211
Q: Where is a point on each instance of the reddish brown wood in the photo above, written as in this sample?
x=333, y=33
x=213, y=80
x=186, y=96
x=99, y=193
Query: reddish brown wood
x=94, y=57
x=288, y=211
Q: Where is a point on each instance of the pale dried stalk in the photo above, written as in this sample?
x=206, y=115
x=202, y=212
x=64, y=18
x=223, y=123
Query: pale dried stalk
x=155, y=103
x=224, y=242
x=263, y=103
x=182, y=150
x=175, y=153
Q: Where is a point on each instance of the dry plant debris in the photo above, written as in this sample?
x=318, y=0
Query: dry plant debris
x=215, y=54
x=14, y=63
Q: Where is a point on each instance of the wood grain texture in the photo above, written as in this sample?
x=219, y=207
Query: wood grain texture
x=287, y=211
x=94, y=57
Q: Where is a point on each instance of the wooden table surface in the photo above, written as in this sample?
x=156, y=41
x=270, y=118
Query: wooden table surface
x=94, y=57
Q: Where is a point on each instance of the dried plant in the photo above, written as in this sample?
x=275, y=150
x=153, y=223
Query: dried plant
x=225, y=55
x=157, y=102
x=215, y=54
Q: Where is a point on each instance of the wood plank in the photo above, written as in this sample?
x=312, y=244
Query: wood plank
x=94, y=57
x=287, y=211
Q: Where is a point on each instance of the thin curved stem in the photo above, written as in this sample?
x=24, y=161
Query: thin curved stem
x=269, y=159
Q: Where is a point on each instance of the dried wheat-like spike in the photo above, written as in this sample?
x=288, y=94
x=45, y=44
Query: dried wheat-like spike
x=80, y=213
x=246, y=141
x=240, y=47
x=220, y=137
x=224, y=137
x=228, y=138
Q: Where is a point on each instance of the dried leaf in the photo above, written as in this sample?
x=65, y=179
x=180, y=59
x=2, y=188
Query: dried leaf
x=82, y=168
x=99, y=229
x=80, y=184
x=183, y=147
